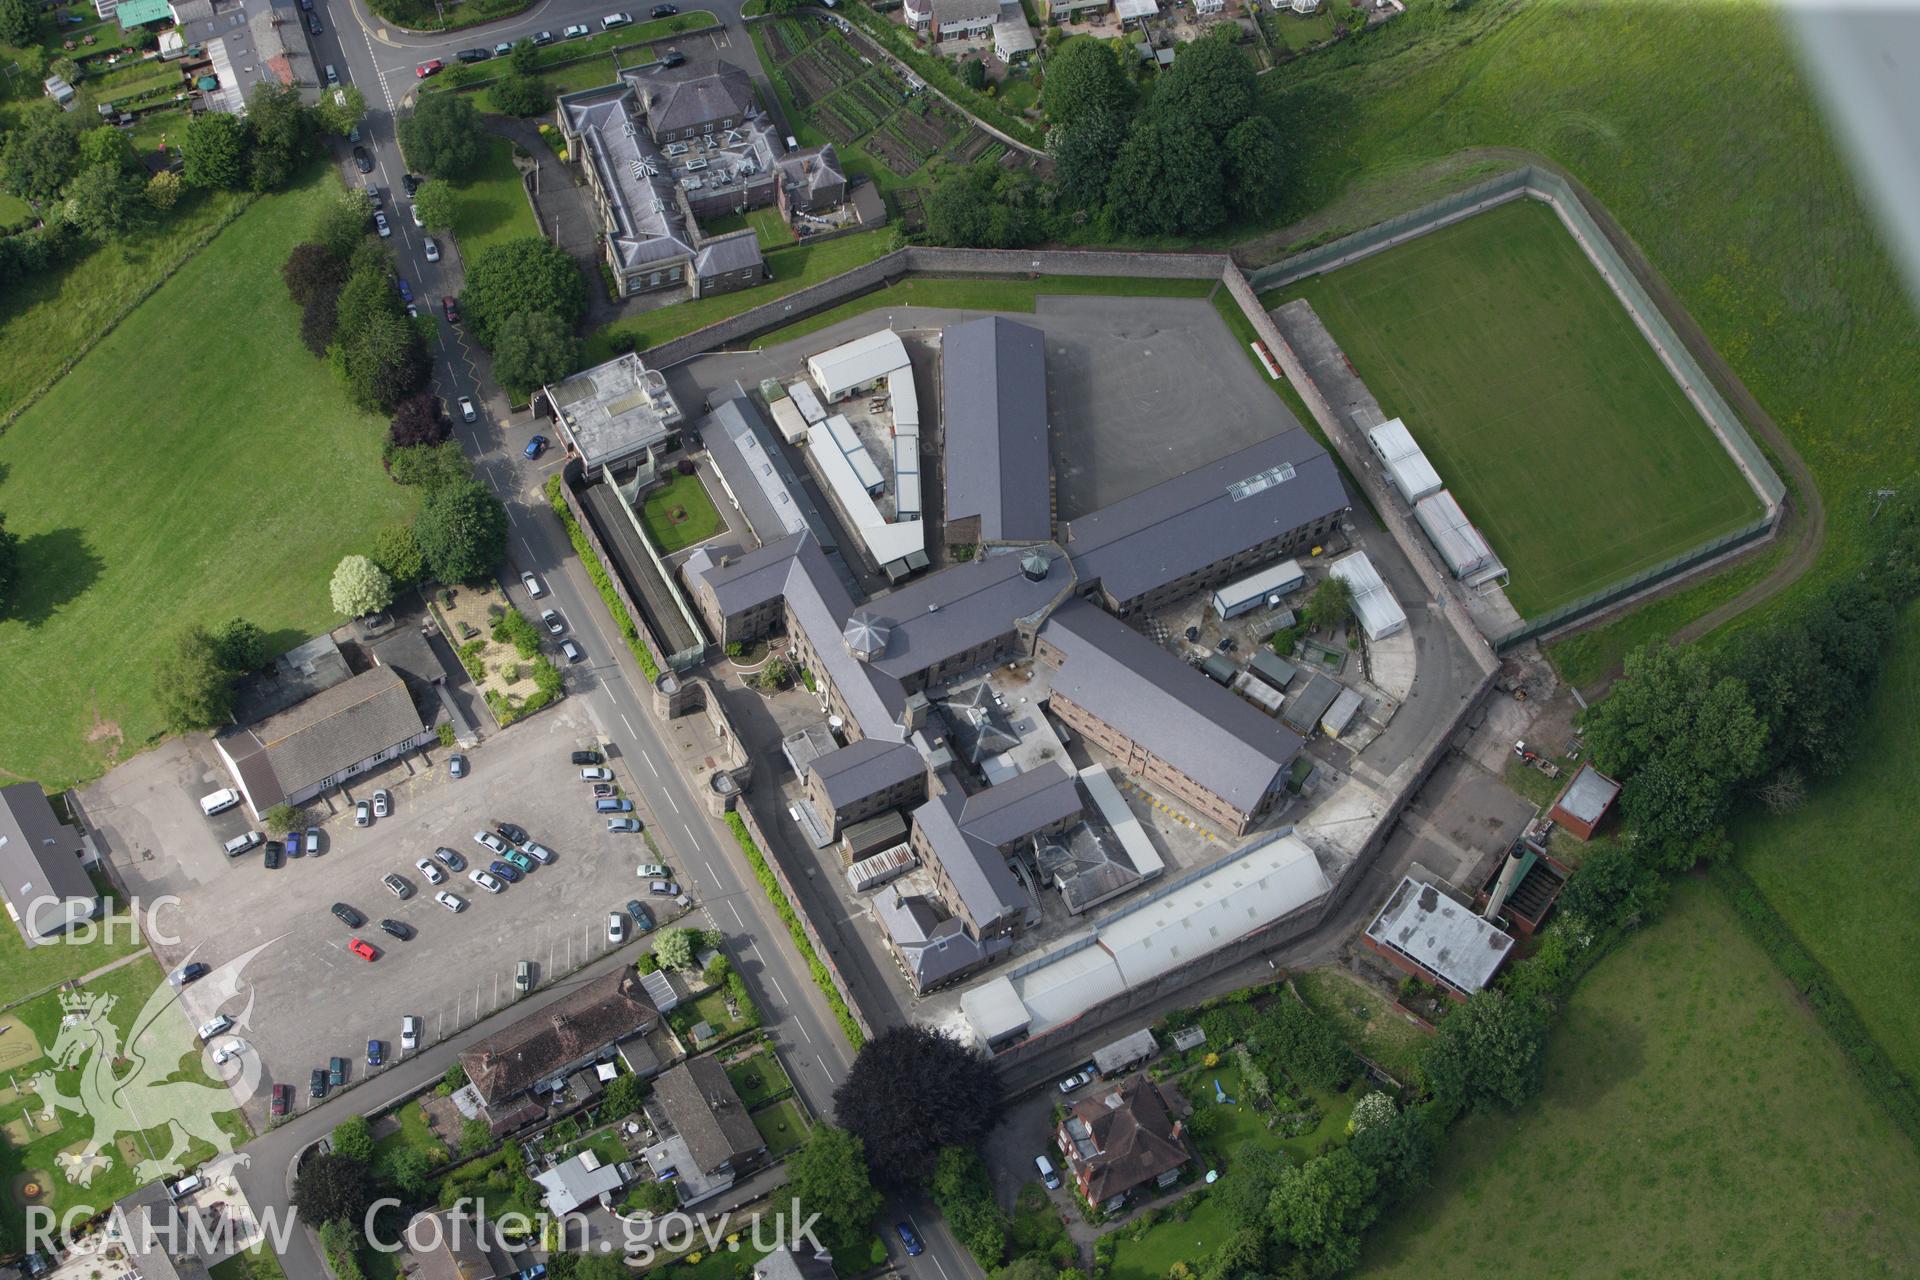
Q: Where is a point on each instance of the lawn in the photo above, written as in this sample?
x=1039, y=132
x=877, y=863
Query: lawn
x=1367, y=1020
x=783, y=1126
x=679, y=514
x=1240, y=1123
x=1153, y=1255
x=1696, y=1121
x=228, y=475
x=492, y=204
x=257, y=1263
x=1544, y=410
x=759, y=1078
x=771, y=226
x=1298, y=32
x=792, y=269
x=413, y=1133
x=26, y=970
x=995, y=294
x=1841, y=870
x=711, y=1009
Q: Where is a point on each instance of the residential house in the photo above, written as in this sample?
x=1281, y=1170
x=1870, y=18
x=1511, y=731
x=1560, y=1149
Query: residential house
x=790, y=1262
x=964, y=19
x=447, y=1245
x=708, y=1140
x=1121, y=1139
x=43, y=866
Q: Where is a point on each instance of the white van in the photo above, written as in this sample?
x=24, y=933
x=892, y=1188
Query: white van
x=1047, y=1175
x=242, y=842
x=219, y=802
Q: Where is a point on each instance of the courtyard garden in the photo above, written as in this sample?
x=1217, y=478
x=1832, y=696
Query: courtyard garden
x=679, y=514
x=500, y=648
x=492, y=207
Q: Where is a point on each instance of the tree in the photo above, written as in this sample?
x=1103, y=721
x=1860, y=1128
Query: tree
x=19, y=23
x=317, y=323
x=42, y=156
x=368, y=295
x=441, y=136
x=964, y=1193
x=214, y=149
x=429, y=467
x=342, y=225
x=979, y=207
x=1253, y=150
x=1084, y=76
x=1488, y=1050
x=107, y=146
x=331, y=1187
x=455, y=1077
x=9, y=565
x=462, y=531
x=312, y=270
x=411, y=1171
x=828, y=1176
x=383, y=362
x=1167, y=179
x=1330, y=606
x=1682, y=737
x=398, y=555
x=1321, y=1207
x=973, y=74
x=163, y=190
x=774, y=674
x=674, y=948
x=1375, y=1108
x=1241, y=1256
x=340, y=109
x=241, y=646
x=359, y=587
x=1210, y=87
x=532, y=349
x=623, y=1096
x=912, y=1091
x=281, y=128
x=194, y=689
x=1083, y=156
x=525, y=58
x=281, y=819
x=1399, y=1150
x=1613, y=889
x=419, y=419
x=436, y=205
x=475, y=1136
x=106, y=203
x=519, y=95
x=526, y=275
x=353, y=1139
x=1253, y=1172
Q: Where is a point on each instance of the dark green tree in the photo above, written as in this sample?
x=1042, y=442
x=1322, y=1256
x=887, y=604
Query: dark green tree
x=1330, y=606
x=1209, y=87
x=343, y=224
x=973, y=74
x=519, y=95
x=828, y=1176
x=528, y=275
x=1321, y=1207
x=398, y=554
x=436, y=205
x=1488, y=1050
x=241, y=646
x=1167, y=179
x=623, y=1097
x=532, y=349
x=109, y=146
x=19, y=23
x=525, y=58
x=331, y=1187
x=384, y=363
x=194, y=689
x=282, y=130
x=1253, y=149
x=1083, y=156
x=1613, y=889
x=213, y=149
x=441, y=136
x=411, y=1172
x=911, y=1092
x=982, y=206
x=311, y=271
x=1084, y=76
x=475, y=1136
x=353, y=1139
x=462, y=531
x=1253, y=1171
x=1241, y=1256
x=42, y=155
x=368, y=295
x=964, y=1193
x=1400, y=1151
x=106, y=203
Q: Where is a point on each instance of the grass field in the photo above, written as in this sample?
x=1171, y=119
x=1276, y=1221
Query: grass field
x=679, y=514
x=1542, y=407
x=223, y=473
x=1841, y=870
x=1366, y=1019
x=493, y=206
x=25, y=970
x=1152, y=1256
x=999, y=294
x=1696, y=1122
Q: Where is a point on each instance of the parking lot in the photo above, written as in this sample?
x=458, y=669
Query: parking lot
x=306, y=997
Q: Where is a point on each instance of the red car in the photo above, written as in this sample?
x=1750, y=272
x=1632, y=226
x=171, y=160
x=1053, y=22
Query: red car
x=282, y=1099
x=430, y=68
x=453, y=316
x=365, y=950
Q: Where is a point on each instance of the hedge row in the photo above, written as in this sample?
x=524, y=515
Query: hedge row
x=1836, y=1013
x=764, y=874
x=601, y=579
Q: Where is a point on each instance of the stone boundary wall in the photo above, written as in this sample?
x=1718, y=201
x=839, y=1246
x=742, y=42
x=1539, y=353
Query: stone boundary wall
x=592, y=536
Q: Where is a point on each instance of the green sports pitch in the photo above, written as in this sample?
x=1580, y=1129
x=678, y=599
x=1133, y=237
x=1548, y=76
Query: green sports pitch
x=1542, y=406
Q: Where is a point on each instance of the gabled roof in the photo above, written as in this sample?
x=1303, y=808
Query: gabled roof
x=1124, y=1136
x=543, y=1044
x=335, y=729
x=995, y=392
x=979, y=873
x=965, y=11
x=1003, y=815
x=691, y=95
x=812, y=170
x=933, y=949
x=704, y=1110
x=735, y=251
x=865, y=768
x=37, y=857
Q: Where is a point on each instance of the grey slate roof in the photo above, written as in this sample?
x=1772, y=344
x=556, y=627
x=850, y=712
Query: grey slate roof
x=790, y=1264
x=1132, y=684
x=692, y=96
x=333, y=730
x=1186, y=523
x=932, y=948
x=949, y=612
x=757, y=473
x=994, y=391
x=1003, y=815
x=646, y=223
x=707, y=1114
x=955, y=12
x=1303, y=711
x=735, y=251
x=812, y=173
x=37, y=853
x=978, y=872
x=865, y=768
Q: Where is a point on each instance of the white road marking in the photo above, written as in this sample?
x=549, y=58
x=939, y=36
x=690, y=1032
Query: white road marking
x=643, y=755
x=803, y=1031
x=632, y=734
x=736, y=915
x=776, y=986
x=673, y=802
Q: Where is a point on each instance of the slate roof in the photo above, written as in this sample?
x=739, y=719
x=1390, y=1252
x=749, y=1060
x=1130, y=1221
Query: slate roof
x=1206, y=515
x=1131, y=1131
x=865, y=768
x=543, y=1044
x=994, y=387
x=646, y=224
x=791, y=1264
x=735, y=251
x=967, y=12
x=1003, y=815
x=950, y=612
x=1129, y=682
x=37, y=853
x=431, y=1239
x=933, y=948
x=757, y=473
x=810, y=172
x=978, y=872
x=703, y=1109
x=692, y=95
x=333, y=730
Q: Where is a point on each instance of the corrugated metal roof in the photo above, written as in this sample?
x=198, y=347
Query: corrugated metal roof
x=865, y=359
x=1404, y=460
x=1452, y=534
x=1379, y=613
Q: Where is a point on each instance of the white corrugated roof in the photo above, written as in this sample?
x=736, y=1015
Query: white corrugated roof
x=1406, y=464
x=1063, y=988
x=1452, y=534
x=906, y=402
x=810, y=408
x=863, y=360
x=1379, y=613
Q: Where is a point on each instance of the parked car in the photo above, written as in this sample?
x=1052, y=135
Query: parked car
x=219, y=802
x=317, y=1084
x=363, y=162
x=511, y=832
x=449, y=859
x=399, y=886
x=397, y=929
x=296, y=844
x=241, y=843
x=587, y=757
x=535, y=447
x=519, y=861
x=336, y=1071
x=313, y=25
x=457, y=766
x=551, y=618
x=505, y=870
x=218, y=1024
x=228, y=1051
x=672, y=58
x=911, y=1239
x=467, y=412
x=623, y=826
x=602, y=790
x=663, y=888
x=432, y=249
x=533, y=585
x=572, y=651
x=655, y=870
x=543, y=39
x=537, y=851
x=406, y=290
x=362, y=814
x=409, y=1033
x=611, y=805
x=382, y=800
x=612, y=20
x=413, y=312
x=282, y=1100
x=434, y=874
x=490, y=841
x=665, y=10
x=451, y=901
x=642, y=918
x=474, y=55
x=452, y=314
x=1075, y=1081
x=348, y=916
x=410, y=181
x=523, y=977
x=376, y=1052
x=502, y=49
x=313, y=841
x=188, y=973
x=596, y=773
x=616, y=928
x=431, y=67
x=575, y=31
x=276, y=855
x=364, y=949
x=380, y=224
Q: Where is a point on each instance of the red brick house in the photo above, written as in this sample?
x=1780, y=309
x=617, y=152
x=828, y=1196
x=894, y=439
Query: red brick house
x=1122, y=1138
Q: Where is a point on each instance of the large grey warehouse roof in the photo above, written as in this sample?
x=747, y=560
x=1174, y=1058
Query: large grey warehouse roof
x=994, y=380
x=1184, y=524
x=1132, y=684
x=866, y=768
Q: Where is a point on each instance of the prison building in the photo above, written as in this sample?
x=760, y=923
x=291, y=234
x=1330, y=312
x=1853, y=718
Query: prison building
x=862, y=363
x=1403, y=460
x=1380, y=615
x=999, y=485
x=1209, y=525
x=1465, y=552
x=756, y=477
x=1258, y=589
x=862, y=780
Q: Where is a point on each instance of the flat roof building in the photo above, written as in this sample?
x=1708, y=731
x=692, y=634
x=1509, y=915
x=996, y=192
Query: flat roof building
x=1460, y=545
x=615, y=413
x=1422, y=931
x=1257, y=589
x=1378, y=612
x=998, y=474
x=1585, y=802
x=1406, y=465
x=1303, y=711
